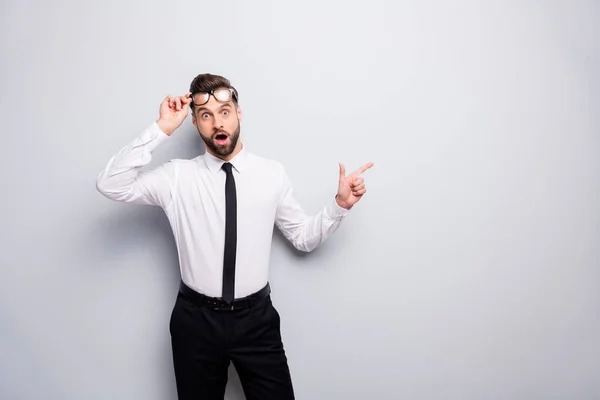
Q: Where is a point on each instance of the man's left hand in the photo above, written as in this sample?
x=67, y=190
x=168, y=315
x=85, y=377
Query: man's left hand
x=351, y=188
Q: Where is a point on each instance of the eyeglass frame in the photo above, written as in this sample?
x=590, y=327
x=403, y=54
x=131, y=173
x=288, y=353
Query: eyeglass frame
x=212, y=93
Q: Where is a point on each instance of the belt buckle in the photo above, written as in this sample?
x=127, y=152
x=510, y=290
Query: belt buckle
x=223, y=306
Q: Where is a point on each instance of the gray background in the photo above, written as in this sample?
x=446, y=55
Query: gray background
x=468, y=271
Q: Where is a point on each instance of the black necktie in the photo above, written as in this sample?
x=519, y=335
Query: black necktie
x=230, y=235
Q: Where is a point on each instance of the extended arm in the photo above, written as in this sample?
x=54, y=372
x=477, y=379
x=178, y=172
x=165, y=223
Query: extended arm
x=305, y=232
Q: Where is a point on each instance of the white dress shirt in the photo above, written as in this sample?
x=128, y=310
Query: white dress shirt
x=192, y=194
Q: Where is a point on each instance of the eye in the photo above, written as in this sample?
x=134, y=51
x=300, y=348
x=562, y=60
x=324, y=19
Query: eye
x=205, y=115
x=225, y=112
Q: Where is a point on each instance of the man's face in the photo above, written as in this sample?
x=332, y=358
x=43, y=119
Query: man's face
x=219, y=126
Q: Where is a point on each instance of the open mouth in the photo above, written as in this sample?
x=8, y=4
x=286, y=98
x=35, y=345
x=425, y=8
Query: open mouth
x=221, y=138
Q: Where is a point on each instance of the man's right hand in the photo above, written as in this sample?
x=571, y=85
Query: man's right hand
x=173, y=111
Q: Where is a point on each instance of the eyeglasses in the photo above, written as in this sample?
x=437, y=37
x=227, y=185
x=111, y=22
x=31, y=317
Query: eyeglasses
x=222, y=94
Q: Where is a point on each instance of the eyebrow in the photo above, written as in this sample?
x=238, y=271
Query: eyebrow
x=206, y=109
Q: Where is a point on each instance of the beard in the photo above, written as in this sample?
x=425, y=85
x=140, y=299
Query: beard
x=222, y=149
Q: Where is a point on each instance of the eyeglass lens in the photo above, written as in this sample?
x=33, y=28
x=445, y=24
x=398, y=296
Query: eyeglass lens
x=220, y=94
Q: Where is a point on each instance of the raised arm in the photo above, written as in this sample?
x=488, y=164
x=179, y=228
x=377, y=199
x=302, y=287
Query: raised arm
x=122, y=179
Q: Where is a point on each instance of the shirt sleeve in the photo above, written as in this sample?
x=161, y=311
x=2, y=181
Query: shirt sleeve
x=305, y=232
x=122, y=179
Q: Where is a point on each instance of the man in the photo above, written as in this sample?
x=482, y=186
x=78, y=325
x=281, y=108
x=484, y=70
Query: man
x=222, y=207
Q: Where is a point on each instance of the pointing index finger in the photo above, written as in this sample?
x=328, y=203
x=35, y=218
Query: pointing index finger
x=364, y=168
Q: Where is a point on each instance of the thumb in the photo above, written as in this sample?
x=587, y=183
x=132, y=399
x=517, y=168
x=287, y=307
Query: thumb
x=342, y=171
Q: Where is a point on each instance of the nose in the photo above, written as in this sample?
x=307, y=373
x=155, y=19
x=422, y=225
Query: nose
x=218, y=122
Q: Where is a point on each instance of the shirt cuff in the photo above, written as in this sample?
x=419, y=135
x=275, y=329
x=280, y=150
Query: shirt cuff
x=334, y=211
x=153, y=136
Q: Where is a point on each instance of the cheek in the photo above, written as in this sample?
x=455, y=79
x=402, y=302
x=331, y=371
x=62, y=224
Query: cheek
x=232, y=123
x=204, y=127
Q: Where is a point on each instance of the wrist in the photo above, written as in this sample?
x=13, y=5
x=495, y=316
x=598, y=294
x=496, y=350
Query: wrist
x=341, y=203
x=165, y=126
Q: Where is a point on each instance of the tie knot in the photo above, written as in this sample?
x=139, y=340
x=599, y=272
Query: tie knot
x=227, y=167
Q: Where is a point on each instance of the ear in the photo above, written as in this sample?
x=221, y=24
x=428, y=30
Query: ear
x=239, y=112
x=194, y=120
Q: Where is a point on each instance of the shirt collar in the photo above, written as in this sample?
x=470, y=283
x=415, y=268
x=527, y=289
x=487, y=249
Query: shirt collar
x=214, y=164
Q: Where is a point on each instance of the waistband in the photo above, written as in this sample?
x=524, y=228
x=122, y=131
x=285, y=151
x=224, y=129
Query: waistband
x=217, y=303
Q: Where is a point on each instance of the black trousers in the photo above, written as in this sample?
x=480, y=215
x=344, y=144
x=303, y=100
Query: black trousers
x=205, y=340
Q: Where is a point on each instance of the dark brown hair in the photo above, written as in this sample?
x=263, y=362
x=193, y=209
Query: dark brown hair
x=208, y=82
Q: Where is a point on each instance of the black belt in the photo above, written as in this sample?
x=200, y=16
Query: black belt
x=217, y=303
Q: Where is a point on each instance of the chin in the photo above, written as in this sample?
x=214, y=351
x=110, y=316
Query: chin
x=224, y=152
